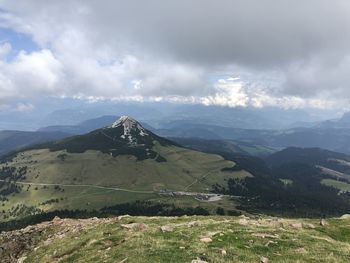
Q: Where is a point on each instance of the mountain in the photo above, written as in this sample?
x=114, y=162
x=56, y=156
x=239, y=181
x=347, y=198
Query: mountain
x=118, y=164
x=343, y=122
x=16, y=140
x=334, y=139
x=126, y=167
x=225, y=148
x=331, y=165
x=83, y=127
x=86, y=126
x=312, y=156
x=313, y=169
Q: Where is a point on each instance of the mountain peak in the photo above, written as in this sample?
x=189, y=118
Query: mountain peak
x=123, y=119
x=131, y=127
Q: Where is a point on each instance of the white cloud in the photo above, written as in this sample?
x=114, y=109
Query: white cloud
x=5, y=49
x=33, y=74
x=171, y=50
x=228, y=92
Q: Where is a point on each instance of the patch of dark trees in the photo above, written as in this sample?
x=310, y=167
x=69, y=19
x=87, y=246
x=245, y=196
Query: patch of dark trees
x=305, y=197
x=108, y=141
x=10, y=175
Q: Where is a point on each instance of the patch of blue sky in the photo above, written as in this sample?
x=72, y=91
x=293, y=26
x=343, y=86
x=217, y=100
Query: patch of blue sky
x=18, y=41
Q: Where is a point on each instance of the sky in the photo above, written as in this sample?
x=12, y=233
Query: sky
x=248, y=53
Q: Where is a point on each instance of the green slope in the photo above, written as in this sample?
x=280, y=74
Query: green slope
x=141, y=239
x=105, y=168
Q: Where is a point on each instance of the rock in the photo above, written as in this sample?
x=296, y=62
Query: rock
x=243, y=222
x=193, y=223
x=323, y=222
x=56, y=218
x=206, y=239
x=346, y=216
x=167, y=228
x=297, y=225
x=277, y=224
x=135, y=226
x=198, y=260
x=301, y=250
x=21, y=260
x=310, y=226
x=264, y=235
x=214, y=233
x=93, y=241
x=264, y=260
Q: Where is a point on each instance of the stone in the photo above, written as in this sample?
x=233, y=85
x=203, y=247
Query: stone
x=135, y=226
x=193, y=223
x=56, y=218
x=310, y=226
x=21, y=260
x=198, y=260
x=264, y=260
x=167, y=228
x=206, y=239
x=297, y=225
x=223, y=252
x=301, y=250
x=346, y=216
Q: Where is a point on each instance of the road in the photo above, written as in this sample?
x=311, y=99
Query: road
x=84, y=185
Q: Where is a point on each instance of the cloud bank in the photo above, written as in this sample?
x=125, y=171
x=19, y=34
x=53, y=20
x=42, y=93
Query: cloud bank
x=224, y=52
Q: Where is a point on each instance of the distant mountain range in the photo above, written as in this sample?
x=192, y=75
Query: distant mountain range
x=16, y=140
x=332, y=135
x=49, y=112
x=123, y=163
x=83, y=127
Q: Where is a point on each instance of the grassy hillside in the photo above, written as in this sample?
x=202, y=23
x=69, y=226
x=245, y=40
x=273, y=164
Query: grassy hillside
x=51, y=180
x=180, y=239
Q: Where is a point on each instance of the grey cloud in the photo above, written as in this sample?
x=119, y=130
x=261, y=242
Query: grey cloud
x=177, y=44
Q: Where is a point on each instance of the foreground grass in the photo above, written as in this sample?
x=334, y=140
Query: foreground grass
x=232, y=239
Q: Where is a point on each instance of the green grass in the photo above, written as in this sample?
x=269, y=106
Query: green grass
x=243, y=242
x=342, y=186
x=257, y=150
x=183, y=168
x=82, y=198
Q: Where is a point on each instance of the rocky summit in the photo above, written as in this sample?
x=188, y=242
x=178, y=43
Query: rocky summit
x=179, y=239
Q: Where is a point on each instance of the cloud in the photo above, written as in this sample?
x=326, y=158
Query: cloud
x=5, y=49
x=24, y=107
x=29, y=74
x=228, y=92
x=173, y=50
